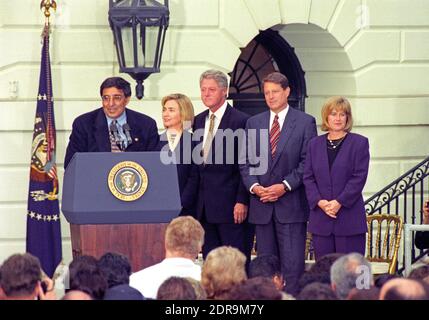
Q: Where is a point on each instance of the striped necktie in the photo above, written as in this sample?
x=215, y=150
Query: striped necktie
x=274, y=135
x=113, y=145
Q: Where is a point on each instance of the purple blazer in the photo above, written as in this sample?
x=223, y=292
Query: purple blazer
x=344, y=182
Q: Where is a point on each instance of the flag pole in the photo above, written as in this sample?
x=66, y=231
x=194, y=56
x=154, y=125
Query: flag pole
x=43, y=238
x=46, y=6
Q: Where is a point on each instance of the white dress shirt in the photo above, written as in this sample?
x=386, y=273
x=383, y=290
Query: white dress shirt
x=218, y=117
x=148, y=280
x=282, y=116
x=173, y=143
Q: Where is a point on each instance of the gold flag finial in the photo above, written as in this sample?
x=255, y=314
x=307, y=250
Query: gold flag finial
x=46, y=5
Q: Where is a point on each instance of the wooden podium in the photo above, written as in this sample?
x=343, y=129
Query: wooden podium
x=100, y=222
x=143, y=244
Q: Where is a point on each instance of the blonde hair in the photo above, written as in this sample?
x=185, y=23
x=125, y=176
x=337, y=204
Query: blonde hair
x=186, y=108
x=223, y=269
x=340, y=104
x=184, y=235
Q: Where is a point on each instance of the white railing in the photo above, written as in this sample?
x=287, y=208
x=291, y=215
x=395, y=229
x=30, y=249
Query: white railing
x=408, y=235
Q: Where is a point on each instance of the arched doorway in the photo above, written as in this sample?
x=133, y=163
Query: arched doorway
x=266, y=53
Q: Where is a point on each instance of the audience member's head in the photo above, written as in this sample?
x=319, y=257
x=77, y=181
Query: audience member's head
x=364, y=294
x=76, y=295
x=198, y=288
x=324, y=264
x=20, y=277
x=223, y=269
x=175, y=288
x=115, y=268
x=381, y=279
x=403, y=289
x=184, y=238
x=320, y=271
x=267, y=266
x=2, y=294
x=419, y=273
x=312, y=277
x=258, y=288
x=86, y=276
x=122, y=292
x=348, y=272
x=426, y=280
x=317, y=291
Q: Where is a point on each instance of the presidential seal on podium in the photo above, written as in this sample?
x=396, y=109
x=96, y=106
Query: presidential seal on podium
x=127, y=181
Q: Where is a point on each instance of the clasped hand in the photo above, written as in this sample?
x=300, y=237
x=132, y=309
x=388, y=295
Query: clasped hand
x=49, y=294
x=271, y=193
x=331, y=208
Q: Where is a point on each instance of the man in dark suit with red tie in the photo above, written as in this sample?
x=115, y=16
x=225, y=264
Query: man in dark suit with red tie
x=222, y=199
x=113, y=127
x=277, y=142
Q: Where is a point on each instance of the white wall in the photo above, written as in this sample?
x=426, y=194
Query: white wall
x=381, y=66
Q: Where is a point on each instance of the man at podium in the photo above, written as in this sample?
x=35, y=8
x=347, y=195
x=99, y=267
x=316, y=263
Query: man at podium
x=113, y=128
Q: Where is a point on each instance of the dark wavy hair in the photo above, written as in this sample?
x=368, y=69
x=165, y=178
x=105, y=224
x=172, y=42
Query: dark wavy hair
x=118, y=83
x=115, y=268
x=86, y=276
x=20, y=274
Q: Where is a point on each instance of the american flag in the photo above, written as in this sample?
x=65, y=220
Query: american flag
x=43, y=216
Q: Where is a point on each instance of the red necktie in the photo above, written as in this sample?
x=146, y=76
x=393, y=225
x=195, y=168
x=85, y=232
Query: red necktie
x=274, y=135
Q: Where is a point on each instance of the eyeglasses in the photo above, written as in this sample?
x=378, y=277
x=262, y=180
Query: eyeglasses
x=116, y=98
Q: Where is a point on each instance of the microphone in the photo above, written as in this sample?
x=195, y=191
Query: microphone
x=114, y=132
x=127, y=129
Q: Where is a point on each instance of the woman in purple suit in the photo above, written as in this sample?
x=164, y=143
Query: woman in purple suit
x=335, y=173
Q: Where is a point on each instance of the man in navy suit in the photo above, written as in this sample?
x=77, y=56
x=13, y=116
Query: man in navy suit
x=276, y=147
x=222, y=199
x=92, y=131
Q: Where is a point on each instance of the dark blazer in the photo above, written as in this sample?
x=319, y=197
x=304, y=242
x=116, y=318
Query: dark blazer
x=288, y=164
x=344, y=182
x=185, y=167
x=220, y=186
x=90, y=133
